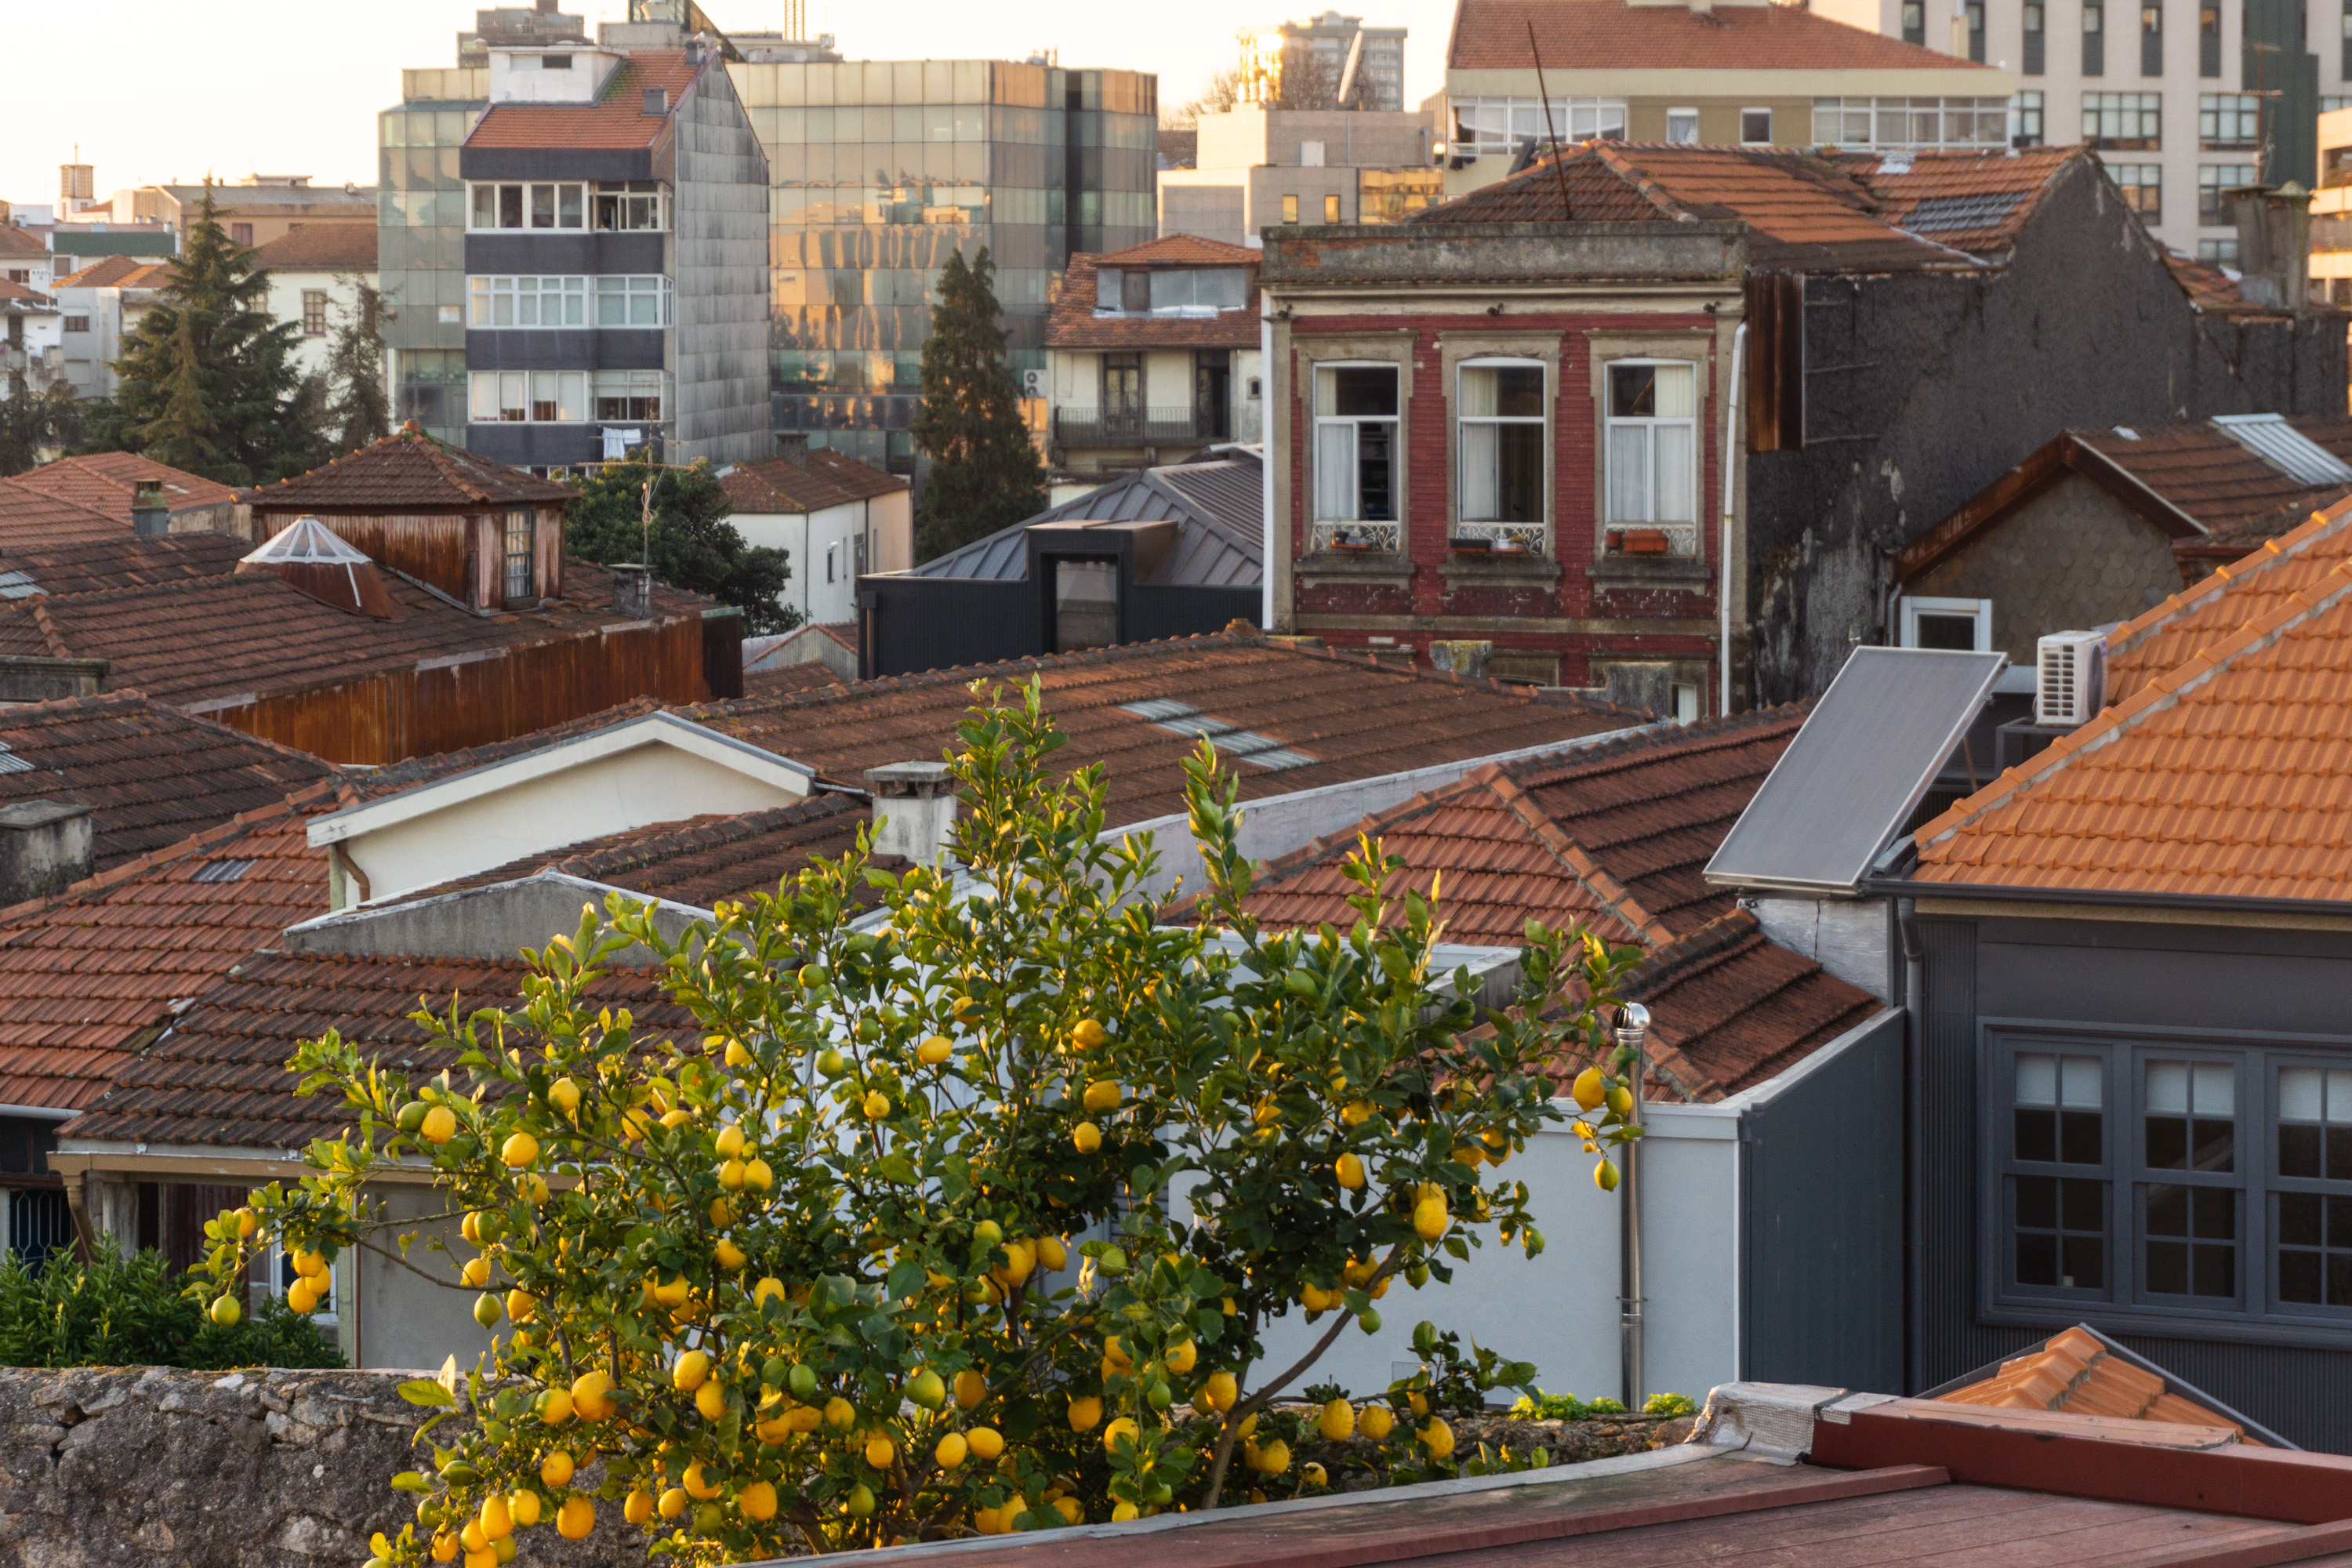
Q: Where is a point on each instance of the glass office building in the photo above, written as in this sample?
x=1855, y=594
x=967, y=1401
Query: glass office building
x=421, y=243
x=880, y=169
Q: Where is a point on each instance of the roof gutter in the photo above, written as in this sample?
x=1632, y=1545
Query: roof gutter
x=1993, y=893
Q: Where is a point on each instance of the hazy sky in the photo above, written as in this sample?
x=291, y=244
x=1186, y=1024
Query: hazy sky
x=155, y=92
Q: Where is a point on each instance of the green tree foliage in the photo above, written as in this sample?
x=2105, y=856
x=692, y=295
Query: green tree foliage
x=798, y=1278
x=358, y=411
x=985, y=472
x=208, y=381
x=694, y=545
x=33, y=425
x=137, y=1311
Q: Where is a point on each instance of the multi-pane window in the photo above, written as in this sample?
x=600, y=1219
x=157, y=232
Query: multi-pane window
x=1653, y=441
x=1682, y=126
x=2228, y=121
x=2029, y=119
x=2036, y=19
x=1483, y=125
x=2180, y=1181
x=1911, y=122
x=2128, y=121
x=1355, y=455
x=240, y=233
x=76, y=324
x=1976, y=19
x=641, y=301
x=2143, y=188
x=2214, y=183
x=520, y=572
x=630, y=394
x=1499, y=426
x=528, y=397
x=2219, y=252
x=567, y=204
x=314, y=312
x=526, y=301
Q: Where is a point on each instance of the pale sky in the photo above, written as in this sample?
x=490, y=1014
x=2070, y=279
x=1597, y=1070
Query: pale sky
x=155, y=91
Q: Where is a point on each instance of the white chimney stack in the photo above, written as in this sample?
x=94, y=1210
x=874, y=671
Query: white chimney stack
x=914, y=811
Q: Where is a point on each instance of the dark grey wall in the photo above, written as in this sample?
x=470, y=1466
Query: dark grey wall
x=2113, y=973
x=1923, y=388
x=719, y=219
x=566, y=348
x=555, y=163
x=556, y=250
x=538, y=446
x=1821, y=1296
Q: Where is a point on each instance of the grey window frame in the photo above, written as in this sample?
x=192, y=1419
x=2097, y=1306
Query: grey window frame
x=2257, y=1316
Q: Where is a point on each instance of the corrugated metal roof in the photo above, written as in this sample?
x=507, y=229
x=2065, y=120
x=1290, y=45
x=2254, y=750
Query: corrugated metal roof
x=1219, y=507
x=2270, y=437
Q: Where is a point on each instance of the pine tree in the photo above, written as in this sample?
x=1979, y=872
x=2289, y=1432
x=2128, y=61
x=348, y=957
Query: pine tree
x=358, y=411
x=208, y=379
x=985, y=472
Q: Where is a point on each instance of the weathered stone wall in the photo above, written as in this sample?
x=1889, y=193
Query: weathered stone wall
x=102, y=1467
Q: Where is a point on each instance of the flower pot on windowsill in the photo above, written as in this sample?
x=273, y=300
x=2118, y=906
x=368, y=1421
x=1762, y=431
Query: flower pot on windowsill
x=1351, y=547
x=1470, y=546
x=1646, y=541
x=1511, y=547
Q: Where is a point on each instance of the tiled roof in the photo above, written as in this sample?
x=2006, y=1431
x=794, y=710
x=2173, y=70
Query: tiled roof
x=154, y=274
x=406, y=471
x=704, y=860
x=122, y=561
x=1803, y=212
x=88, y=976
x=2234, y=595
x=1220, y=502
x=1074, y=325
x=218, y=1076
x=204, y=639
x=107, y=272
x=15, y=293
x=2207, y=286
x=1331, y=717
x=15, y=241
x=372, y=783
x=774, y=680
x=106, y=482
x=1179, y=250
x=779, y=485
x=1976, y=202
x=1731, y=1008
x=30, y=519
x=1597, y=35
x=2074, y=1373
x=150, y=774
x=322, y=246
x=616, y=120
x=2221, y=777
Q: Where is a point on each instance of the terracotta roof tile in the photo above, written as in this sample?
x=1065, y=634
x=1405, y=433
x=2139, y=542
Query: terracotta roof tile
x=1179, y=250
x=106, y=272
x=32, y=519
x=106, y=482
x=616, y=120
x=1593, y=35
x=778, y=679
x=15, y=293
x=828, y=479
x=16, y=241
x=1074, y=325
x=2074, y=1373
x=322, y=246
x=120, y=560
x=88, y=976
x=150, y=774
x=1976, y=202
x=406, y=471
x=1731, y=1008
x=218, y=1076
x=2223, y=776
x=2216, y=480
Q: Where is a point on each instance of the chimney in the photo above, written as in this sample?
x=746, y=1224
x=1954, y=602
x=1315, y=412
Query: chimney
x=29, y=678
x=632, y=590
x=1467, y=659
x=2273, y=245
x=45, y=845
x=914, y=811
x=150, y=514
x=656, y=100
x=792, y=447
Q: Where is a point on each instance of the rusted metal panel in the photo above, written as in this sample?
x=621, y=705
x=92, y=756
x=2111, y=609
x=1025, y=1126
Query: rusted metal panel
x=722, y=654
x=428, y=546
x=547, y=551
x=1776, y=362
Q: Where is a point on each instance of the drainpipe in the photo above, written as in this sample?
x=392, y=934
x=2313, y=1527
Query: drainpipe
x=1265, y=454
x=1723, y=548
x=1632, y=1028
x=1915, y=1058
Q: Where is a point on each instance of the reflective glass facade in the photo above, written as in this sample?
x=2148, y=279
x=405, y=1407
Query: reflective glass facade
x=880, y=169
x=421, y=243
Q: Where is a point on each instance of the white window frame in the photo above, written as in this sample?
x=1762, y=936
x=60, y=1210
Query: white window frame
x=1498, y=126
x=1681, y=532
x=1535, y=534
x=628, y=289
x=488, y=295
x=629, y=385
x=1387, y=534
x=531, y=192
x=1766, y=111
x=1688, y=113
x=1914, y=606
x=513, y=397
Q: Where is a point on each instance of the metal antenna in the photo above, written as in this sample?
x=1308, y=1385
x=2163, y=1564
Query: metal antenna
x=1559, y=173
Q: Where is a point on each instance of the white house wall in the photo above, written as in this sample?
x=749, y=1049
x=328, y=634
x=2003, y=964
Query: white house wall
x=1168, y=379
x=287, y=286
x=804, y=537
x=404, y=1321
x=1690, y=1256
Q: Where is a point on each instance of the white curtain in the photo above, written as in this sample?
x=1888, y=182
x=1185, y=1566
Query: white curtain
x=1479, y=392
x=1629, y=473
x=1335, y=473
x=1677, y=391
x=1675, y=473
x=1481, y=470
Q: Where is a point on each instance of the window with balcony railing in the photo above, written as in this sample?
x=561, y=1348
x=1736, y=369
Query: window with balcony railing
x=1355, y=458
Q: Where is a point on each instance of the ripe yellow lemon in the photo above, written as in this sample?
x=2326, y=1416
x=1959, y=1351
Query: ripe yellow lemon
x=1052, y=1252
x=309, y=1265
x=1221, y=1390
x=577, y=1518
x=524, y=1507
x=935, y=1050
x=712, y=1400
x=1429, y=1219
x=880, y=1451
x=730, y=1174
x=1378, y=1422
x=1089, y=1036
x=971, y=1388
x=1085, y=1411
x=498, y=1523
x=564, y=1095
x=737, y=1054
x=1103, y=1094
x=1121, y=1511
x=1274, y=1457
x=445, y=1547
x=673, y=1503
x=699, y=1486
x=248, y=1222
x=556, y=1468
x=839, y=1414
x=1181, y=1358
x=985, y=1442
x=730, y=1142
x=951, y=1450
x=1349, y=1169
x=1338, y=1421
x=637, y=1508
x=440, y=1125
x=730, y=1257
x=476, y=1274
x=1438, y=1438
x=757, y=1176
x=876, y=1106
x=301, y=1298
x=770, y=1285
x=1589, y=1088
x=555, y=1406
x=1122, y=1428
x=520, y=1305
x=758, y=1500
x=1087, y=1136
x=519, y=1151
x=1356, y=1112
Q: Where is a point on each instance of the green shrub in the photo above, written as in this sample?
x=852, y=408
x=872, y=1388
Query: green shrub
x=1566, y=1407
x=1669, y=1405
x=132, y=1312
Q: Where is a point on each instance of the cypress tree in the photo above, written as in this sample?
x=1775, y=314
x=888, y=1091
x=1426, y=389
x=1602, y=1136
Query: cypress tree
x=358, y=412
x=985, y=472
x=208, y=379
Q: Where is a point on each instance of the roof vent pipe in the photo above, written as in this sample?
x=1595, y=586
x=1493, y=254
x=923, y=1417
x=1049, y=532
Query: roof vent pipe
x=150, y=514
x=914, y=811
x=1632, y=1029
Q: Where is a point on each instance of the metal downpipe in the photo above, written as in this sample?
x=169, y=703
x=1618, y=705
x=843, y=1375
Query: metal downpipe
x=1914, y=1059
x=1632, y=1028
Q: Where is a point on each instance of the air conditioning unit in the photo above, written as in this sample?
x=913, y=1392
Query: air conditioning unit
x=1033, y=383
x=2071, y=682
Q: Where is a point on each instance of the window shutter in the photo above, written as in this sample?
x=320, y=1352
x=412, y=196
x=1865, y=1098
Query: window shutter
x=1776, y=362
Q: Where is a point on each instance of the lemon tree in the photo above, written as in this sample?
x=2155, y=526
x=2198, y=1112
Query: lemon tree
x=969, y=1220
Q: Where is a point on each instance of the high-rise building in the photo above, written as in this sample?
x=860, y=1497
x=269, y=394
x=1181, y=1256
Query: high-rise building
x=1321, y=46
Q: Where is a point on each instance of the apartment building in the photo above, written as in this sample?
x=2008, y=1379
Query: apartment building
x=252, y=211
x=1257, y=166
x=1324, y=45
x=315, y=276
x=2182, y=103
x=1737, y=73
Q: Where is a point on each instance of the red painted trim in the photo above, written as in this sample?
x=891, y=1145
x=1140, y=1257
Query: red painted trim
x=2249, y=1482
x=2262, y=1549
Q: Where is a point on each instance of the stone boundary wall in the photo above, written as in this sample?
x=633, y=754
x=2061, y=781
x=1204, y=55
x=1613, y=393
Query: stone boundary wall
x=108, y=1467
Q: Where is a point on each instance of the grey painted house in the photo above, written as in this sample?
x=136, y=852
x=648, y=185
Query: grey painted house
x=616, y=286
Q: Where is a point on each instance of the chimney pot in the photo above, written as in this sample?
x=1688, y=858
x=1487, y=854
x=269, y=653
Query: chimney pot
x=632, y=590
x=914, y=811
x=656, y=100
x=792, y=446
x=45, y=845
x=150, y=514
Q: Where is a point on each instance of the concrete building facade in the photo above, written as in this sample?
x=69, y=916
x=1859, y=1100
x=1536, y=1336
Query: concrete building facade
x=253, y=211
x=315, y=276
x=1324, y=44
x=1256, y=167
